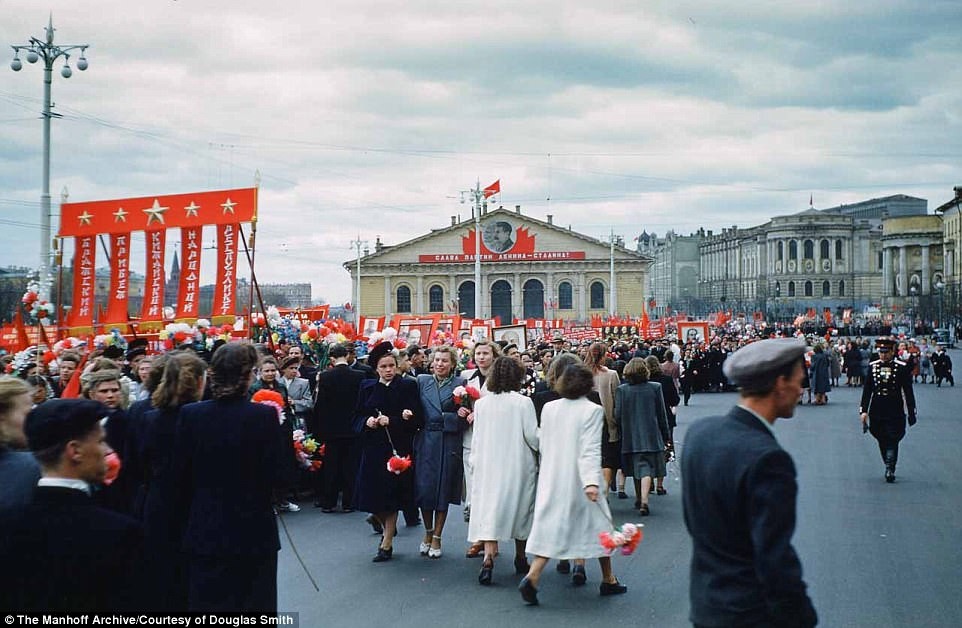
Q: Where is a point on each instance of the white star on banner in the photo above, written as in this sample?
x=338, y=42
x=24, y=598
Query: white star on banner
x=85, y=218
x=228, y=206
x=192, y=209
x=120, y=215
x=155, y=213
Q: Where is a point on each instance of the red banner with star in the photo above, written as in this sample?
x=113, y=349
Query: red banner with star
x=225, y=287
x=84, y=259
x=152, y=312
x=154, y=212
x=119, y=280
x=188, y=296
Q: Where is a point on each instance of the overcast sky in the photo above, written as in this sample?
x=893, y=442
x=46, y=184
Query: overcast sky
x=369, y=117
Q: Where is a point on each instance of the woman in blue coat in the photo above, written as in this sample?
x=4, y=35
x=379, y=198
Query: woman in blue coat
x=438, y=474
x=388, y=412
x=821, y=374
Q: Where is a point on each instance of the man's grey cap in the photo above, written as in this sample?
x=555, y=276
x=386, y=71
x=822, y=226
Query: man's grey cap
x=756, y=361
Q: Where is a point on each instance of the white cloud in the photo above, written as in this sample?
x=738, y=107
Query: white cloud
x=367, y=118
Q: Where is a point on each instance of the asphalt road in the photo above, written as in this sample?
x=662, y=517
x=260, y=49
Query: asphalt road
x=873, y=554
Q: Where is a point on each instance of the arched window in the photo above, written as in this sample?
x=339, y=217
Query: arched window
x=404, y=300
x=791, y=288
x=841, y=288
x=824, y=249
x=838, y=249
x=597, y=295
x=808, y=289
x=501, y=301
x=532, y=299
x=792, y=249
x=826, y=289
x=436, y=298
x=778, y=288
x=565, y=300
x=781, y=250
x=466, y=300
x=809, y=249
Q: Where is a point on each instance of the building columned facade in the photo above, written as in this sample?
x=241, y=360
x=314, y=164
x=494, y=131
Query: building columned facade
x=530, y=269
x=675, y=272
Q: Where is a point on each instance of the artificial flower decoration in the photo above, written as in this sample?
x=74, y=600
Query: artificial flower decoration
x=308, y=451
x=113, y=467
x=465, y=396
x=271, y=398
x=624, y=539
x=397, y=464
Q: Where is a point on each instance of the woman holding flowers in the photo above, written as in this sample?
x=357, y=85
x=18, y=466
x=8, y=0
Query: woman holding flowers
x=570, y=510
x=437, y=447
x=388, y=414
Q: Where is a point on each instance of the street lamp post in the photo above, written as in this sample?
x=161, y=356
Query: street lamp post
x=358, y=244
x=941, y=288
x=46, y=50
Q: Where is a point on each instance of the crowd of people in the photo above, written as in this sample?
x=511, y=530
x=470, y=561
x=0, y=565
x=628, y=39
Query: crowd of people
x=529, y=442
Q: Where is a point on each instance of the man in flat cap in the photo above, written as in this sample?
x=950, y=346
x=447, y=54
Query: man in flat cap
x=886, y=397
x=68, y=554
x=739, y=492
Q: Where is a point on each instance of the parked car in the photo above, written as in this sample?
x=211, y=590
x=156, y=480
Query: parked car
x=944, y=337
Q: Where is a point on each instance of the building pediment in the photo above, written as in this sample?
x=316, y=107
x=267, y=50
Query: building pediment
x=506, y=236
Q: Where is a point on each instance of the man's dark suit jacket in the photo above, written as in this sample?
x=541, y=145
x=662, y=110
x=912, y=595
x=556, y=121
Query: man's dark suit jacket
x=364, y=368
x=66, y=554
x=739, y=494
x=336, y=399
x=228, y=458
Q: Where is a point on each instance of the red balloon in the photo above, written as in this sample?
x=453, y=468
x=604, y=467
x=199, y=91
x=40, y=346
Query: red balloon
x=324, y=331
x=304, y=327
x=312, y=333
x=400, y=343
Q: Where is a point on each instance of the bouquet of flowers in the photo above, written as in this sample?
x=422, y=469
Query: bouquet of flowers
x=271, y=398
x=624, y=539
x=397, y=464
x=465, y=396
x=308, y=451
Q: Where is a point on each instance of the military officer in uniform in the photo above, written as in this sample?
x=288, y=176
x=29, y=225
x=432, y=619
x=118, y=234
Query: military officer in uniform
x=886, y=397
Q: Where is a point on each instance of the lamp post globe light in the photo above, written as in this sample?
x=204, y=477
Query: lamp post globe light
x=48, y=52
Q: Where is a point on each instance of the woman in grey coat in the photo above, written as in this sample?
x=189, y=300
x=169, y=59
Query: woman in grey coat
x=641, y=416
x=438, y=473
x=821, y=374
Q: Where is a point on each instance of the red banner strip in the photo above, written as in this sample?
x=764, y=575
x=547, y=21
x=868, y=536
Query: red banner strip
x=224, y=305
x=188, y=297
x=153, y=308
x=119, y=279
x=84, y=259
x=154, y=212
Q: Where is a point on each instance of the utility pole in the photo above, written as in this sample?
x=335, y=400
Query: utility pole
x=476, y=196
x=34, y=51
x=613, y=288
x=359, y=244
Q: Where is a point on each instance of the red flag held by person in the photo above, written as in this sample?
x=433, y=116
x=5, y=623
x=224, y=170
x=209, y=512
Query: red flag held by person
x=22, y=340
x=72, y=389
x=491, y=190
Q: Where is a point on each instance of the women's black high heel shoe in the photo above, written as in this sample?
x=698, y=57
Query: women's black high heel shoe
x=383, y=554
x=487, y=568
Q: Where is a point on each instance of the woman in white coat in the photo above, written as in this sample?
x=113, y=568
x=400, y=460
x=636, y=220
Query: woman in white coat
x=570, y=510
x=505, y=468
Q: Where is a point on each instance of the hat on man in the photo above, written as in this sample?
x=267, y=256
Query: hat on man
x=558, y=338
x=61, y=420
x=886, y=342
x=113, y=352
x=754, y=363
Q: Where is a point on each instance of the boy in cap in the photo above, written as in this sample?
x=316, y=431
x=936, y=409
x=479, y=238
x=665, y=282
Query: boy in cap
x=886, y=396
x=739, y=493
x=69, y=554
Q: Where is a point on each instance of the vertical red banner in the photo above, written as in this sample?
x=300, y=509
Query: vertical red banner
x=188, y=297
x=117, y=313
x=224, y=290
x=82, y=311
x=152, y=312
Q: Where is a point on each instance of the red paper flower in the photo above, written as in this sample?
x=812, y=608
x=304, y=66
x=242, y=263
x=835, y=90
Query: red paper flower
x=29, y=297
x=113, y=467
x=398, y=465
x=312, y=333
x=180, y=336
x=271, y=398
x=625, y=539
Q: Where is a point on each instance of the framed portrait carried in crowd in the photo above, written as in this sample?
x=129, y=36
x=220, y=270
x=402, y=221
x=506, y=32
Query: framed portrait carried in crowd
x=370, y=324
x=480, y=332
x=416, y=330
x=514, y=334
x=692, y=331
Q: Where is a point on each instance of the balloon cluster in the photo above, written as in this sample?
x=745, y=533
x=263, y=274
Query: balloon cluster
x=113, y=339
x=388, y=335
x=37, y=308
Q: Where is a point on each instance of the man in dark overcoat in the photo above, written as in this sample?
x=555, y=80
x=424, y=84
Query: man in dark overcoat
x=333, y=424
x=942, y=367
x=739, y=493
x=887, y=396
x=66, y=554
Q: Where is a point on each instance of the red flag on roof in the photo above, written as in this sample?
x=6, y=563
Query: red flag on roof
x=491, y=190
